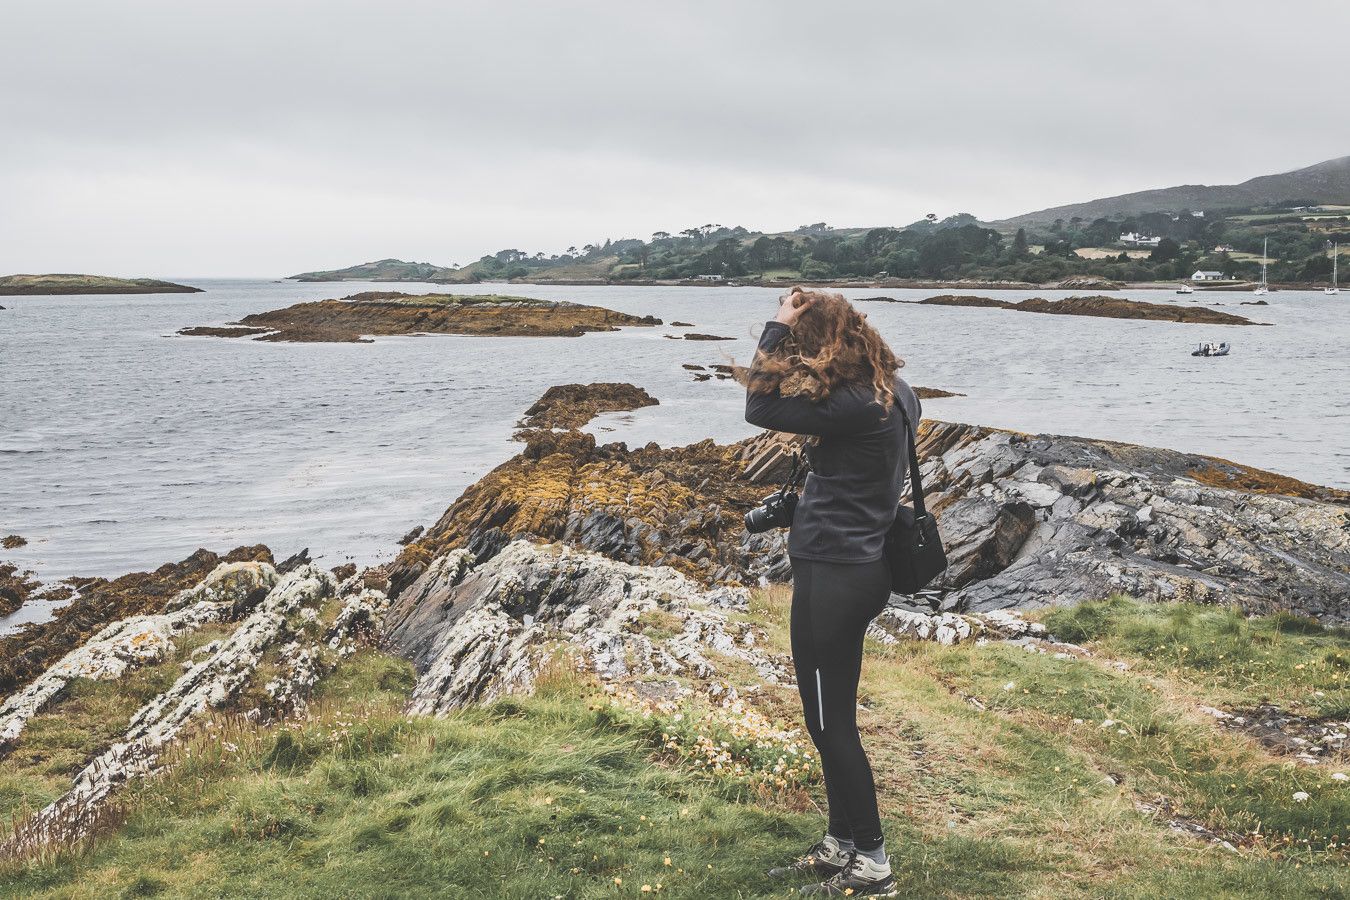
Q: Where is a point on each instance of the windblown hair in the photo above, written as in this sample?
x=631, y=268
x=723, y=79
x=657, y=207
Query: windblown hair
x=830, y=345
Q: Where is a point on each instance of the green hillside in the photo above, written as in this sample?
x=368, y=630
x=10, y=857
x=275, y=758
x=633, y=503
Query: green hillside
x=1324, y=183
x=380, y=270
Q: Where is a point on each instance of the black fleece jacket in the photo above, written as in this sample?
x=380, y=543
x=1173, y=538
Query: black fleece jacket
x=857, y=467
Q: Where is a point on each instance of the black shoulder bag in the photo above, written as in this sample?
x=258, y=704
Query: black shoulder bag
x=913, y=547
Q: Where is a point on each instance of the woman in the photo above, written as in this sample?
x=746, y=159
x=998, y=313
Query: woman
x=822, y=371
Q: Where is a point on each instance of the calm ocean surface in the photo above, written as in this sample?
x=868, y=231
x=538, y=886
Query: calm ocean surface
x=123, y=446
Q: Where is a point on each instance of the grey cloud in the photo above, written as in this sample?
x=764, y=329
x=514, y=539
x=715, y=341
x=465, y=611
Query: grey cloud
x=284, y=135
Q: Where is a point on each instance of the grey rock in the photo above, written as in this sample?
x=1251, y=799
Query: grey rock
x=476, y=633
x=280, y=620
x=1127, y=520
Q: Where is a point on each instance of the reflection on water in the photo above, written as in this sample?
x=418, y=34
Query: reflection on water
x=124, y=446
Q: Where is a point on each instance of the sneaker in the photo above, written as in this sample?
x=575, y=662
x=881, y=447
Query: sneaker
x=860, y=877
x=822, y=860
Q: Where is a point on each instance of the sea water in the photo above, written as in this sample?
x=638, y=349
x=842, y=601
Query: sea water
x=124, y=445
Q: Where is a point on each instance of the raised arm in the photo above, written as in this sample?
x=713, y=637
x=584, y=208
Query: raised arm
x=843, y=412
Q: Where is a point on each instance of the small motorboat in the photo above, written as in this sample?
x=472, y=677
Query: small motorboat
x=1211, y=348
x=1185, y=289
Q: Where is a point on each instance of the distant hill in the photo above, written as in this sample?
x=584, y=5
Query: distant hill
x=382, y=270
x=34, y=285
x=1326, y=182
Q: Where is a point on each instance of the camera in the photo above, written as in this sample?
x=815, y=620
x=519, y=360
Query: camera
x=774, y=512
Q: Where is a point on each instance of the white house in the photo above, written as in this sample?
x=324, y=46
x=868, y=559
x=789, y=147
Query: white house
x=708, y=277
x=1223, y=248
x=1207, y=276
x=1131, y=239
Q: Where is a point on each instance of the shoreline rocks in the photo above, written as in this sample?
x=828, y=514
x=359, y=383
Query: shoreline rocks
x=301, y=626
x=1028, y=520
x=383, y=313
x=139, y=640
x=573, y=405
x=1034, y=520
x=927, y=393
x=1100, y=307
x=16, y=587
x=100, y=602
x=680, y=506
x=224, y=331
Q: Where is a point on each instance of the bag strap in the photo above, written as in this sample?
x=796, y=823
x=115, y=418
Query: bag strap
x=796, y=474
x=915, y=479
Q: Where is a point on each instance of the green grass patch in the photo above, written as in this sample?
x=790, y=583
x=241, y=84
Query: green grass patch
x=82, y=721
x=566, y=795
x=1238, y=661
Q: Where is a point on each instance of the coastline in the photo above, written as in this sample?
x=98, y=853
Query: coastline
x=917, y=284
x=673, y=506
x=614, y=593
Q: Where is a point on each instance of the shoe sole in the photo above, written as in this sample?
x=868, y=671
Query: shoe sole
x=890, y=891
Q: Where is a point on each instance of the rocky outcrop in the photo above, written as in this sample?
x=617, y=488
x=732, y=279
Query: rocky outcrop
x=1031, y=520
x=1101, y=307
x=139, y=640
x=224, y=331
x=1090, y=282
x=283, y=627
x=16, y=586
x=477, y=632
x=927, y=393
x=33, y=285
x=680, y=506
x=966, y=300
x=101, y=602
x=1028, y=520
x=573, y=405
x=392, y=312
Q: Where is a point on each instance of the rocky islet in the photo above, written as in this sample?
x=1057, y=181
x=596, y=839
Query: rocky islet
x=381, y=313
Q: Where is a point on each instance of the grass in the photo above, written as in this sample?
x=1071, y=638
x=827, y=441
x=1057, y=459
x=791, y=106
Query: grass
x=989, y=787
x=83, y=720
x=1232, y=660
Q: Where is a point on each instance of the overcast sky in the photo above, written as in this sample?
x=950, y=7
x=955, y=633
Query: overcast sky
x=268, y=138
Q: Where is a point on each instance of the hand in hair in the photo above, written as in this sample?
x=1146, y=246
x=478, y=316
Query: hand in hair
x=791, y=306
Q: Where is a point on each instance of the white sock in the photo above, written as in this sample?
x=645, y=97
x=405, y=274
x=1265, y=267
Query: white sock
x=877, y=856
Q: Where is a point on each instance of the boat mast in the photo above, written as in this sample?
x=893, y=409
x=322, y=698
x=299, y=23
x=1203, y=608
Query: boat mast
x=1265, y=250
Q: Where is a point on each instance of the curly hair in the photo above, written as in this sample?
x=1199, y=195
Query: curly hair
x=832, y=344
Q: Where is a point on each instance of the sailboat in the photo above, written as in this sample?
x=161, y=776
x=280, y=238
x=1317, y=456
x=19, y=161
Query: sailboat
x=1262, y=289
x=1335, y=258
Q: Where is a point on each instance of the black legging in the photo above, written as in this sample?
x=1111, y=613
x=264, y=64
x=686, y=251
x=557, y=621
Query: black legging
x=832, y=603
